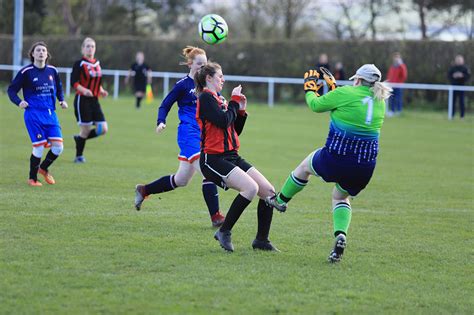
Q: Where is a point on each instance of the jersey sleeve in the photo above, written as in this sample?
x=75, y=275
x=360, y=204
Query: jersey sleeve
x=15, y=87
x=209, y=110
x=325, y=103
x=75, y=75
x=59, y=86
x=168, y=102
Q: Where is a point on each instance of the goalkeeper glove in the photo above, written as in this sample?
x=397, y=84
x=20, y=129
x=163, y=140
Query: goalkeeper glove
x=329, y=78
x=310, y=82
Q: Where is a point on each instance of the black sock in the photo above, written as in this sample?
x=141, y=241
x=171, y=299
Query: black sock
x=163, y=184
x=34, y=165
x=50, y=157
x=236, y=208
x=80, y=144
x=211, y=196
x=139, y=100
x=264, y=216
x=92, y=134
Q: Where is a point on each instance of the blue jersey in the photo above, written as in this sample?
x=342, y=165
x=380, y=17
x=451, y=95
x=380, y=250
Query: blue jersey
x=183, y=93
x=40, y=87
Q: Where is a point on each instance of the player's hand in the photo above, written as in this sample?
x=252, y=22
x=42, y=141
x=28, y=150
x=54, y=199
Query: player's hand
x=63, y=104
x=87, y=92
x=311, y=81
x=23, y=104
x=237, y=90
x=243, y=102
x=160, y=128
x=224, y=101
x=329, y=78
x=103, y=92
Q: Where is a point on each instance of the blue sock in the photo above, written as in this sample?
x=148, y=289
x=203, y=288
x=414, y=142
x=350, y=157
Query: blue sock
x=211, y=196
x=163, y=184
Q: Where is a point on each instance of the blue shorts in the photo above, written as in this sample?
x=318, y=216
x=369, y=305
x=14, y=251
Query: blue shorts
x=346, y=172
x=43, y=127
x=189, y=142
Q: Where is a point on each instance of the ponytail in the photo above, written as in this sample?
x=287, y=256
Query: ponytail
x=190, y=52
x=381, y=91
x=209, y=69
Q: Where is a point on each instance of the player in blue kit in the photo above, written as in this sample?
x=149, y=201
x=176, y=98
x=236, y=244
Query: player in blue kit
x=41, y=86
x=189, y=136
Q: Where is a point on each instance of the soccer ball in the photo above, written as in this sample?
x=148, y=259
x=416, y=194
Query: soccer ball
x=213, y=29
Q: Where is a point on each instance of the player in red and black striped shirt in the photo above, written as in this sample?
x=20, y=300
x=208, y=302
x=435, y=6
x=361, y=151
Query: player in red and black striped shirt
x=86, y=79
x=221, y=124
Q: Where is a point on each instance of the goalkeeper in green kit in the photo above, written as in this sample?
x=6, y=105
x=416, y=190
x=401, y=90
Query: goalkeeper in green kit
x=349, y=156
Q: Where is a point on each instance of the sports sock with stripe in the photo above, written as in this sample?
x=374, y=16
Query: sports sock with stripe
x=292, y=186
x=342, y=214
x=211, y=196
x=163, y=184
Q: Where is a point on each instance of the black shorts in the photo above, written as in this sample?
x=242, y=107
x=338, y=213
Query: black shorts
x=139, y=87
x=87, y=110
x=217, y=167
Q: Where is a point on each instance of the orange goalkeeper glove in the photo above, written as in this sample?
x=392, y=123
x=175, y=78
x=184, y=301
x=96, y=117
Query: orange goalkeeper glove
x=311, y=81
x=329, y=78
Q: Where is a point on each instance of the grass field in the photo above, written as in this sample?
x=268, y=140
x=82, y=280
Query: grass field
x=80, y=247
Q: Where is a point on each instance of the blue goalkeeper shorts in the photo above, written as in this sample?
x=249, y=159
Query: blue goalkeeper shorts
x=349, y=174
x=43, y=126
x=189, y=142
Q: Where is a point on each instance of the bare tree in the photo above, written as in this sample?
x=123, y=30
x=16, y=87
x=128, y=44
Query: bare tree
x=288, y=12
x=435, y=10
x=74, y=24
x=252, y=15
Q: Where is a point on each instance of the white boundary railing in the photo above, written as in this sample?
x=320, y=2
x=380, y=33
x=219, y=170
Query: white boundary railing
x=271, y=81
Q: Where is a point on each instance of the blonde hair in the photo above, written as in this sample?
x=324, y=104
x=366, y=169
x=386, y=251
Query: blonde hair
x=190, y=52
x=381, y=90
x=86, y=40
x=209, y=69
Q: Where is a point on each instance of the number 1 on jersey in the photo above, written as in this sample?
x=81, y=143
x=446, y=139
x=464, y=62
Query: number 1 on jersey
x=370, y=109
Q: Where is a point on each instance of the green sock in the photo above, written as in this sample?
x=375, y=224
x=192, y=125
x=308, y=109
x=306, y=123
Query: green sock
x=292, y=186
x=342, y=217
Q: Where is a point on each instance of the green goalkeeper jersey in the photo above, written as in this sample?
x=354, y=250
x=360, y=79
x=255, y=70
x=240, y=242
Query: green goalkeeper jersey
x=356, y=119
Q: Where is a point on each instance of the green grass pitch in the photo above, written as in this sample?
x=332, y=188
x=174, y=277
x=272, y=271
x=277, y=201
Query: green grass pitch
x=80, y=247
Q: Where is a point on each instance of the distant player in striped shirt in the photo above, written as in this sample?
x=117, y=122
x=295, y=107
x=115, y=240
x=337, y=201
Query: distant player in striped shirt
x=41, y=86
x=349, y=155
x=86, y=79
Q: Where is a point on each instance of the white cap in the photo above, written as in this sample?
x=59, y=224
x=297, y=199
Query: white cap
x=368, y=72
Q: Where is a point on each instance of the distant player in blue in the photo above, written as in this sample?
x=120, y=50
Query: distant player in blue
x=41, y=86
x=189, y=135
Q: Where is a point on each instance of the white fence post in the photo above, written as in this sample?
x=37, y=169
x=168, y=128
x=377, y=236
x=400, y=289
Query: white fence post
x=68, y=82
x=271, y=92
x=116, y=84
x=450, y=103
x=166, y=83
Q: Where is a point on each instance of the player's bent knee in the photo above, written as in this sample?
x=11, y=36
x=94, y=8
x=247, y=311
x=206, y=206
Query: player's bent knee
x=182, y=180
x=101, y=129
x=38, y=151
x=57, y=147
x=250, y=190
x=266, y=191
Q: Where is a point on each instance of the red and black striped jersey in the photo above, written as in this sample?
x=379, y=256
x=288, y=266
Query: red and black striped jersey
x=87, y=73
x=220, y=123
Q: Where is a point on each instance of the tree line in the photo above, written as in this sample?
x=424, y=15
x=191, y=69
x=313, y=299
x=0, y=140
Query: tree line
x=249, y=19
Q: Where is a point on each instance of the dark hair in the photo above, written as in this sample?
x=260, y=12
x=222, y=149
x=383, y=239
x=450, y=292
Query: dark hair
x=200, y=77
x=32, y=49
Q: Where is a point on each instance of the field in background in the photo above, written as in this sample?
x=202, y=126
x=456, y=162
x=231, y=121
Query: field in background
x=80, y=247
